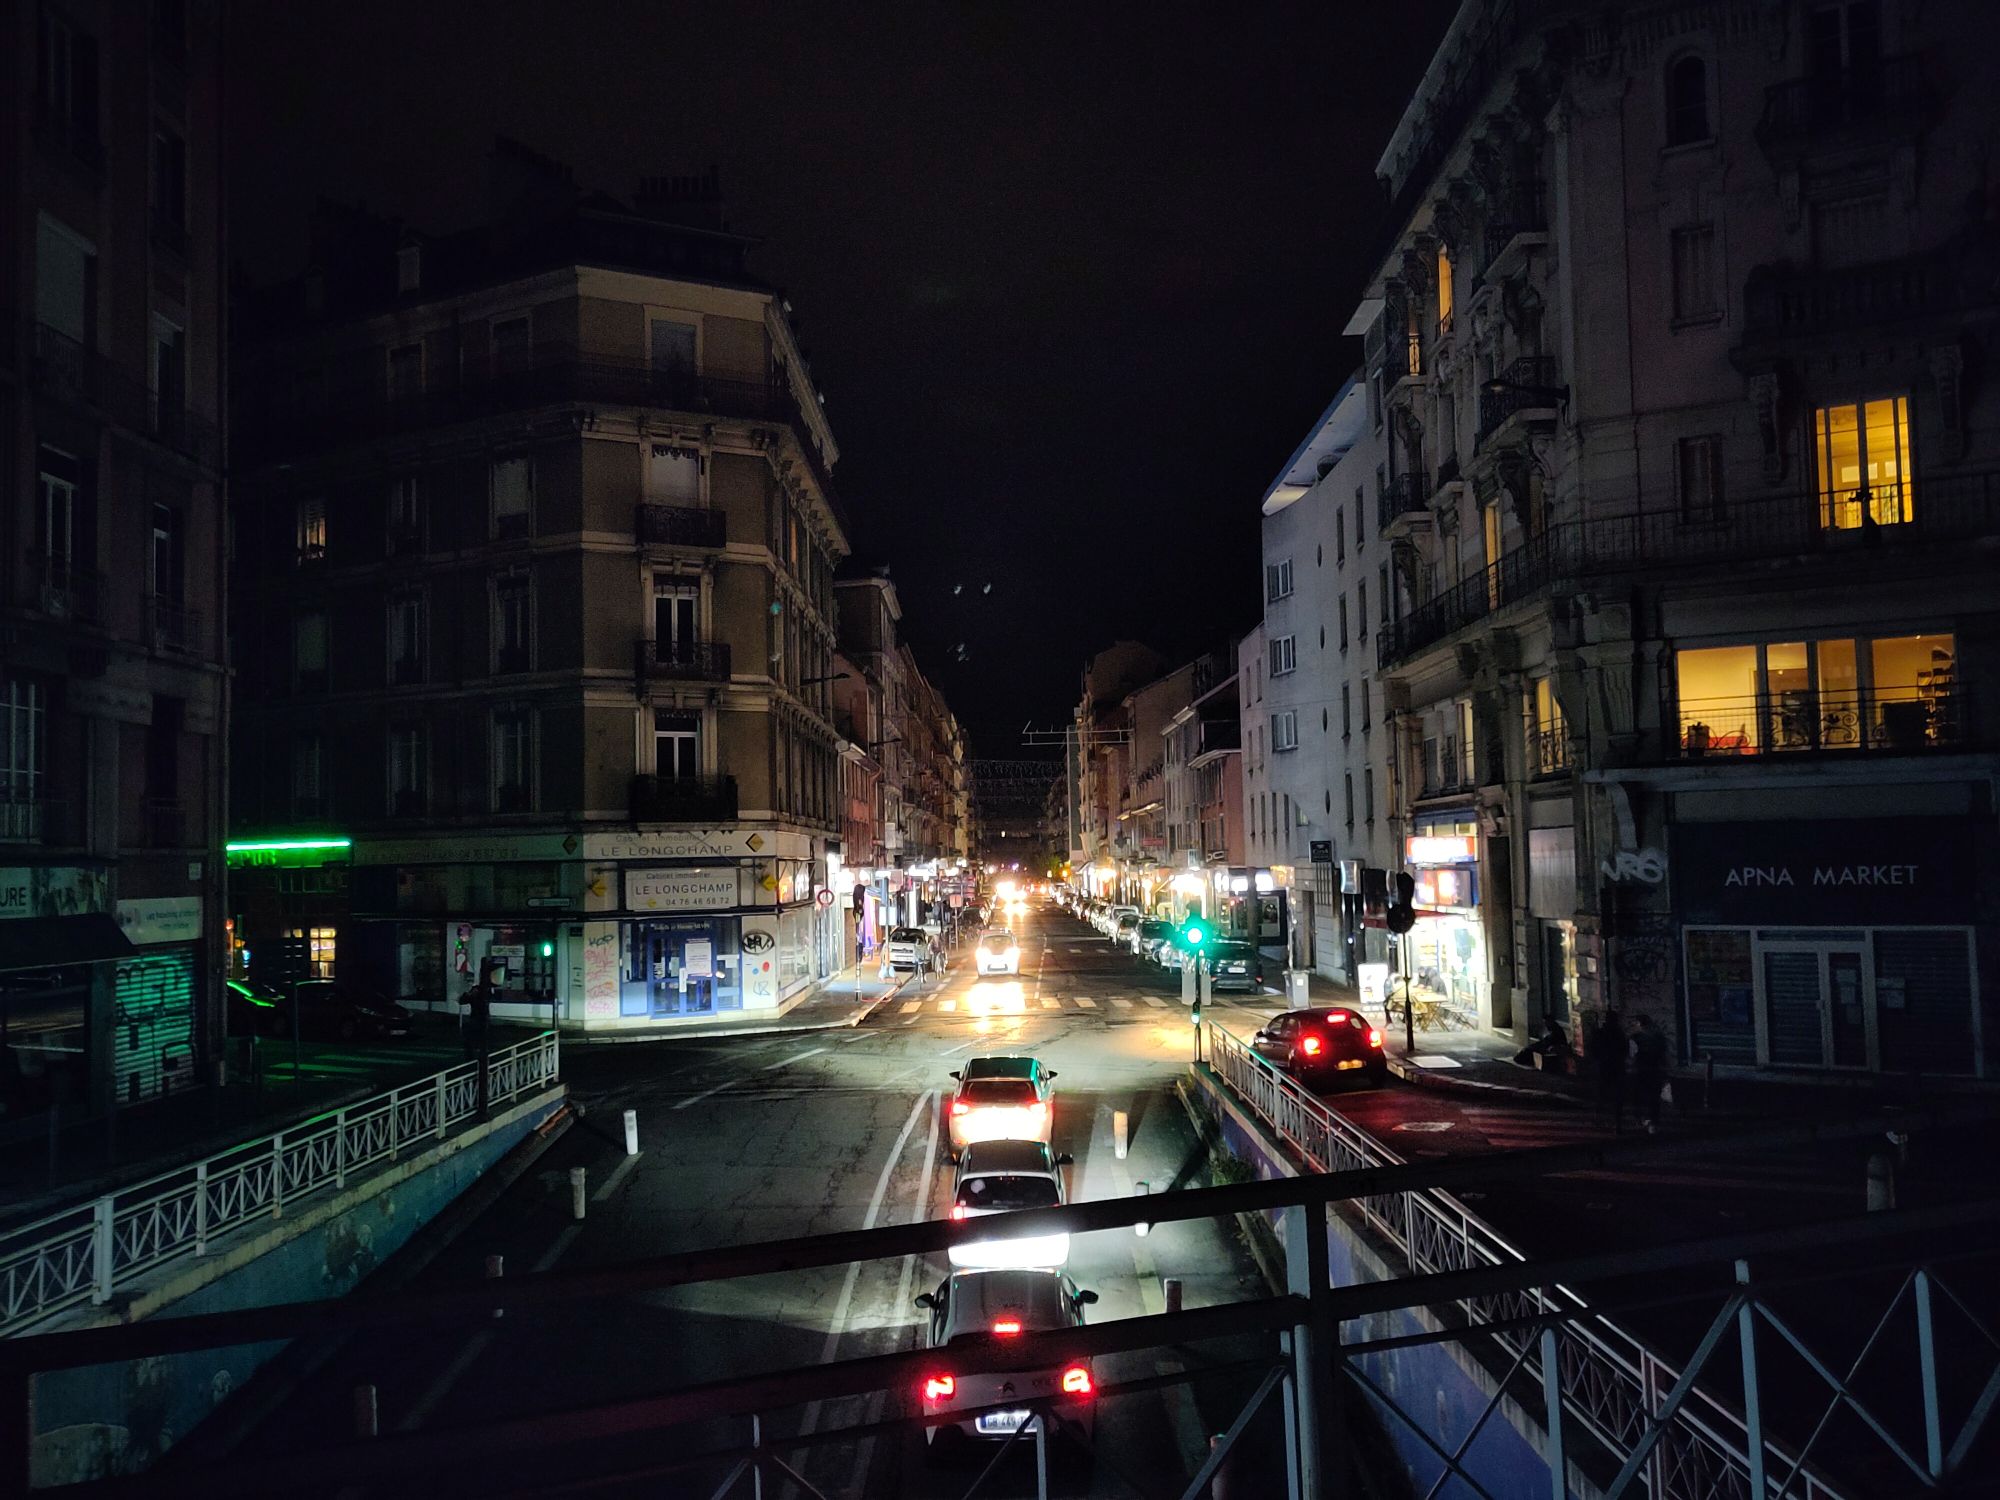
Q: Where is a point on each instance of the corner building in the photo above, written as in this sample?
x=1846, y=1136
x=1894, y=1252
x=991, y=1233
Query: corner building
x=1691, y=485
x=534, y=602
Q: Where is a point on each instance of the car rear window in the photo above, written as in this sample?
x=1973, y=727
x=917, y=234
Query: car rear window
x=996, y=944
x=999, y=1091
x=1007, y=1192
x=907, y=935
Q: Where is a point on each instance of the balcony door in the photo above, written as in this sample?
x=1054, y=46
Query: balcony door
x=670, y=350
x=676, y=616
x=1819, y=1003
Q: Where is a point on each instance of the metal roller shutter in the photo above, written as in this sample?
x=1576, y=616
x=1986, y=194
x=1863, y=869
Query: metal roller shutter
x=153, y=1034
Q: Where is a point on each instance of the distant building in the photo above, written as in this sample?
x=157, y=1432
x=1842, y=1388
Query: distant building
x=112, y=664
x=1099, y=749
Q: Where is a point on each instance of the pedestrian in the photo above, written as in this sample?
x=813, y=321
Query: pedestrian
x=1606, y=1050
x=1649, y=1071
x=477, y=1004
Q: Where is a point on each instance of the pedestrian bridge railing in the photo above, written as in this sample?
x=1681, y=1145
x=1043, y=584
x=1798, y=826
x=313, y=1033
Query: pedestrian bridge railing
x=85, y=1253
x=1611, y=1383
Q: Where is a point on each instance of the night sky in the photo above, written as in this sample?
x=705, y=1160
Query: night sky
x=1071, y=277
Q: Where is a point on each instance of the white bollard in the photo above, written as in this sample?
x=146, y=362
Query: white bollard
x=367, y=1412
x=496, y=1267
x=1170, y=1287
x=1142, y=1189
x=1119, y=1124
x=577, y=1192
x=631, y=1132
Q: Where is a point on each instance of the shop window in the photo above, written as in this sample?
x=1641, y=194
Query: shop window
x=1862, y=454
x=318, y=948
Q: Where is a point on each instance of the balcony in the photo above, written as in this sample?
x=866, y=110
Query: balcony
x=1901, y=720
x=1403, y=506
x=1518, y=223
x=175, y=626
x=1527, y=390
x=1548, y=749
x=35, y=820
x=66, y=592
x=165, y=822
x=1944, y=509
x=686, y=661
x=683, y=799
x=1447, y=473
x=1891, y=96
x=1784, y=302
x=680, y=526
x=74, y=372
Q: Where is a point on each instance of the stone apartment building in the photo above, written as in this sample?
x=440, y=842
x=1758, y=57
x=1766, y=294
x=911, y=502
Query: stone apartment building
x=1690, y=486
x=534, y=605
x=1098, y=755
x=112, y=685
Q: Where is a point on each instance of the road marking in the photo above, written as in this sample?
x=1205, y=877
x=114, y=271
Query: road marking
x=1121, y=1002
x=1085, y=1001
x=448, y=1377
x=563, y=1241
x=911, y=1007
x=801, y=1057
x=1155, y=1001
x=947, y=1005
x=694, y=1099
x=1051, y=1004
x=959, y=1048
x=610, y=1185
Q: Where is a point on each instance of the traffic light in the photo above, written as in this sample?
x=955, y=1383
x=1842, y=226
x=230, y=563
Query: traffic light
x=1194, y=935
x=1402, y=916
x=548, y=949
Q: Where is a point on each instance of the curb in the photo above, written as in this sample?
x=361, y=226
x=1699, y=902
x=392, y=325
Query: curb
x=862, y=1011
x=1424, y=1078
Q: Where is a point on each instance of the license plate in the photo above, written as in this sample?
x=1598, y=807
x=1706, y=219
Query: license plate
x=1001, y=1422
x=1349, y=1062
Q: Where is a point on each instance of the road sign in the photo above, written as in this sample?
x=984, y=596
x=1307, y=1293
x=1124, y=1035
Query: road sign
x=824, y=897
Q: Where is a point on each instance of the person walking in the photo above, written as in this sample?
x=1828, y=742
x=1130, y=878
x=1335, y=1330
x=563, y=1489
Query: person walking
x=1649, y=1071
x=1606, y=1051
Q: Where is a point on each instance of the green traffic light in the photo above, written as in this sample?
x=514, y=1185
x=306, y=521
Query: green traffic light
x=1195, y=934
x=548, y=950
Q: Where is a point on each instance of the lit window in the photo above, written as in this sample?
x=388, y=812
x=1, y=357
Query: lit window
x=1863, y=456
x=319, y=945
x=1444, y=289
x=1894, y=693
x=1548, y=734
x=312, y=530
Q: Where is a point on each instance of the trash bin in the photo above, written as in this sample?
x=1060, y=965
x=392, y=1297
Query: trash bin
x=1298, y=989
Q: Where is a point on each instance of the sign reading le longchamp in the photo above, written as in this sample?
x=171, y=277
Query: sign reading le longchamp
x=1861, y=871
x=681, y=890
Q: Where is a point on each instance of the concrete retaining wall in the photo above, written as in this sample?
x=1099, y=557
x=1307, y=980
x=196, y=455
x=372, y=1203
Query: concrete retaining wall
x=111, y=1419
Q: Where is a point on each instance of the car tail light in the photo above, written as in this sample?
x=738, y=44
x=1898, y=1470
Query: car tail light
x=1076, y=1381
x=1374, y=1036
x=958, y=1210
x=1038, y=1109
x=1338, y=1018
x=960, y=1107
x=938, y=1387
x=1310, y=1046
x=1007, y=1325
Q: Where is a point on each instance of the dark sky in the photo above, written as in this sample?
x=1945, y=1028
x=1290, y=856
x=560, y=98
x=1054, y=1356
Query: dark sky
x=1071, y=276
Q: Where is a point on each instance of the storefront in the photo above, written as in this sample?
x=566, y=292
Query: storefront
x=154, y=1031
x=1445, y=951
x=61, y=951
x=1840, y=944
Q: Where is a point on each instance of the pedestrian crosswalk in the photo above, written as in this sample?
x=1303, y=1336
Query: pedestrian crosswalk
x=1113, y=1005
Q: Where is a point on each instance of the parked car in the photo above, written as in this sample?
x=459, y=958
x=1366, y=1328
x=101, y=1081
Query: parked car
x=1125, y=928
x=1322, y=1043
x=340, y=1008
x=1152, y=935
x=1001, y=1099
x=1235, y=966
x=257, y=1009
x=998, y=953
x=970, y=1308
x=1003, y=1177
x=909, y=944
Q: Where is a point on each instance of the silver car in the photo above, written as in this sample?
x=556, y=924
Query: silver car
x=969, y=1312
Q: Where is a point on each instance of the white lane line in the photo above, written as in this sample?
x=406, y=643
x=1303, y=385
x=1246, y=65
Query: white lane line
x=694, y=1099
x=911, y=1007
x=959, y=1048
x=801, y=1057
x=563, y=1241
x=610, y=1185
x=1085, y=1001
x=1121, y=1002
x=1155, y=1001
x=1051, y=1005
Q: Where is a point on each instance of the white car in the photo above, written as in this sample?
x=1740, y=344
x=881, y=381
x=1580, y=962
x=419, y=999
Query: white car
x=1001, y=1099
x=1119, y=920
x=998, y=953
x=971, y=1307
x=908, y=945
x=998, y=1177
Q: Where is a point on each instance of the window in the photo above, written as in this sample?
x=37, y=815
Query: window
x=309, y=650
x=1687, y=102
x=513, y=345
x=513, y=496
x=406, y=372
x=513, y=762
x=407, y=778
x=513, y=623
x=319, y=944
x=673, y=475
x=1382, y=592
x=1548, y=734
x=671, y=346
x=1897, y=692
x=1698, y=476
x=166, y=571
x=409, y=267
x=1343, y=622
x=61, y=518
x=1375, y=402
x=406, y=515
x=1845, y=42
x=308, y=788
x=1347, y=790
x=169, y=380
x=1284, y=655
x=170, y=24
x=1285, y=730
x=1862, y=453
x=169, y=202
x=1361, y=608
x=1364, y=705
x=1381, y=483
x=1368, y=794
x=1346, y=712
x=1277, y=581
x=1340, y=531
x=23, y=757
x=676, y=746
x=1695, y=298
x=406, y=638
x=311, y=530
x=1464, y=767
x=1444, y=293
x=66, y=84
x=65, y=296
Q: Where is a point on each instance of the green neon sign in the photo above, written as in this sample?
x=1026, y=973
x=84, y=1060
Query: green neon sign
x=274, y=846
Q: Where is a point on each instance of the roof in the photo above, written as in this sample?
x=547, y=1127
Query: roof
x=980, y=1298
x=1339, y=427
x=1001, y=1067
x=1005, y=1156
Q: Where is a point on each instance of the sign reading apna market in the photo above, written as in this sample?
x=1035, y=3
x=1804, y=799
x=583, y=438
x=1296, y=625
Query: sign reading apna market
x=1869, y=875
x=1825, y=872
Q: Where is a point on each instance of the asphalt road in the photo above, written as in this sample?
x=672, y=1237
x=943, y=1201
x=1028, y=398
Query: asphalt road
x=780, y=1135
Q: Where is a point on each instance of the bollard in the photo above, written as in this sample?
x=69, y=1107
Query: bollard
x=1171, y=1288
x=1881, y=1181
x=631, y=1132
x=1219, y=1486
x=496, y=1267
x=1142, y=1189
x=577, y=1195
x=1120, y=1123
x=367, y=1413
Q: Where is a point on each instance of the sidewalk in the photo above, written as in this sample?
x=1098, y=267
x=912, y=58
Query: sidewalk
x=847, y=999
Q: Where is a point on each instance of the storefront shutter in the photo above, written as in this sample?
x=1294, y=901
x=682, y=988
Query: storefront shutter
x=153, y=1038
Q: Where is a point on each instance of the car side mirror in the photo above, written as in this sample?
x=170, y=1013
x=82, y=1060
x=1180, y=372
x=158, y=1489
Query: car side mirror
x=1051, y=1073
x=927, y=1300
x=955, y=1074
x=1084, y=1299
x=1064, y=1159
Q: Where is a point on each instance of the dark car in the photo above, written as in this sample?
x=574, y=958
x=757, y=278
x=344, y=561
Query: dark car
x=1323, y=1043
x=256, y=1009
x=338, y=1008
x=1235, y=966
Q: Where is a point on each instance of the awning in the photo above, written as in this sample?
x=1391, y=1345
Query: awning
x=51, y=942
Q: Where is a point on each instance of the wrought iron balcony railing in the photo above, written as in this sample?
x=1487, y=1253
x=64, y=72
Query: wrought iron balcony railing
x=1525, y=385
x=1402, y=495
x=176, y=626
x=1548, y=749
x=680, y=526
x=65, y=591
x=1890, y=92
x=697, y=661
x=34, y=820
x=683, y=799
x=1786, y=301
x=72, y=371
x=165, y=822
x=1522, y=210
x=1898, y=719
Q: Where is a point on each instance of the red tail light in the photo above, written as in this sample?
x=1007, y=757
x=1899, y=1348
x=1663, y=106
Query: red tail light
x=1076, y=1381
x=958, y=1210
x=939, y=1387
x=1038, y=1109
x=1310, y=1046
x=1338, y=1018
x=1374, y=1036
x=1007, y=1325
x=960, y=1107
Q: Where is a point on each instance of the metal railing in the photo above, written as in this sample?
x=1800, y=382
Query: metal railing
x=34, y=820
x=163, y=822
x=1610, y=1382
x=1780, y=300
x=1524, y=386
x=65, y=368
x=1548, y=749
x=1401, y=495
x=1521, y=210
x=1892, y=91
x=65, y=591
x=1903, y=719
x=683, y=799
x=176, y=626
x=680, y=526
x=88, y=1251
x=699, y=661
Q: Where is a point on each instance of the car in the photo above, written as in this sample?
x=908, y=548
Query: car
x=1152, y=934
x=1000, y=1099
x=1004, y=1177
x=349, y=1011
x=1323, y=1042
x=971, y=1312
x=908, y=946
x=1124, y=928
x=998, y=953
x=1235, y=966
x=257, y=1009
